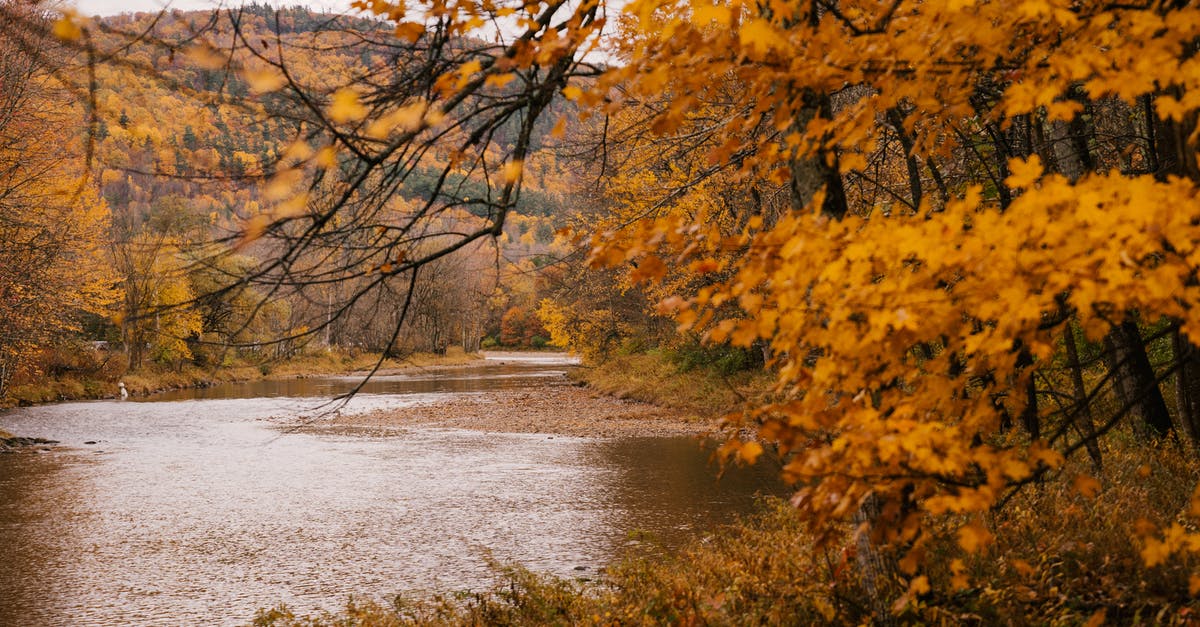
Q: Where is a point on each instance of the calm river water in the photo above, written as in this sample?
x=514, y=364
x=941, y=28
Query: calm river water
x=196, y=508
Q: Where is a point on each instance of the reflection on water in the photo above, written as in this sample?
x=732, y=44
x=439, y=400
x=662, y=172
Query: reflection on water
x=198, y=511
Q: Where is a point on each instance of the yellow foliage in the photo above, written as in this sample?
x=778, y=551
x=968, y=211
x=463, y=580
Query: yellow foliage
x=264, y=80
x=511, y=172
x=903, y=337
x=1087, y=486
x=973, y=537
x=66, y=27
x=345, y=107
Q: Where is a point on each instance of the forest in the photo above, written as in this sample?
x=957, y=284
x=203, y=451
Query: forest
x=955, y=243
x=141, y=254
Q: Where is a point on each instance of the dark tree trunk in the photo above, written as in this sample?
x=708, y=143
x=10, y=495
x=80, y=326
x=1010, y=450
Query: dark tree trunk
x=1083, y=410
x=1029, y=415
x=1187, y=386
x=1173, y=153
x=896, y=119
x=817, y=173
x=813, y=175
x=1145, y=397
x=1115, y=356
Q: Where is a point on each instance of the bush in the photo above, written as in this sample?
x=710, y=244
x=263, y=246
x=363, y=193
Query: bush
x=720, y=359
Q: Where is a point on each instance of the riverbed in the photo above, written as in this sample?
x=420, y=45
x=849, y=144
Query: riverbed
x=201, y=506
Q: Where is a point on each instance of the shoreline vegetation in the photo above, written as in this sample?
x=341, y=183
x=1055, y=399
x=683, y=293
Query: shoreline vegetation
x=699, y=393
x=99, y=383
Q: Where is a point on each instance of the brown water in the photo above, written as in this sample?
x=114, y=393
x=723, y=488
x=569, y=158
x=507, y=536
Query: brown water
x=194, y=508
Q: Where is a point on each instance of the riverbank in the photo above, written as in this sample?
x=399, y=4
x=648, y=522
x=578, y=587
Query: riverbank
x=652, y=378
x=629, y=396
x=152, y=380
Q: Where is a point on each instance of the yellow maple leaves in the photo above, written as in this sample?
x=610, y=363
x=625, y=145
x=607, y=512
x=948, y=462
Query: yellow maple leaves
x=264, y=80
x=345, y=107
x=511, y=171
x=704, y=13
x=410, y=117
x=901, y=313
x=1024, y=171
x=759, y=37
x=66, y=27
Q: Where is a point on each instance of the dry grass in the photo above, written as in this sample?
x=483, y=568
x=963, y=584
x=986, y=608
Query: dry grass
x=338, y=362
x=1061, y=558
x=651, y=378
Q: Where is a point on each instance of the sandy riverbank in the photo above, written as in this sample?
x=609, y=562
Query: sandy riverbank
x=558, y=407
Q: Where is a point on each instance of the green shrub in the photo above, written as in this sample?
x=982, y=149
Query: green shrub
x=720, y=359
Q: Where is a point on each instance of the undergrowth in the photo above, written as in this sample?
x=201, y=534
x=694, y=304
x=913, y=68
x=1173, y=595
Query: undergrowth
x=668, y=380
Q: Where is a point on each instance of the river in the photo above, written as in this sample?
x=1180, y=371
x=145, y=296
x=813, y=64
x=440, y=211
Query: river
x=196, y=507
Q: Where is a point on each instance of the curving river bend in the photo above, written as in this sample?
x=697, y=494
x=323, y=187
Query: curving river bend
x=195, y=507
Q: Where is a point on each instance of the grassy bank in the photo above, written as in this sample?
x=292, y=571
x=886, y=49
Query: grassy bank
x=655, y=377
x=98, y=376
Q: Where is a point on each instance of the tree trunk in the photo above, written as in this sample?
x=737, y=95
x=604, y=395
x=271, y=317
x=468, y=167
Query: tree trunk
x=1029, y=415
x=1187, y=385
x=1145, y=399
x=1067, y=161
x=1115, y=358
x=1083, y=410
x=811, y=176
x=816, y=173
x=878, y=572
x=1172, y=150
x=896, y=119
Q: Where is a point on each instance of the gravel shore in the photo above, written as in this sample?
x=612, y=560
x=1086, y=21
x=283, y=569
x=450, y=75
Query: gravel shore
x=558, y=407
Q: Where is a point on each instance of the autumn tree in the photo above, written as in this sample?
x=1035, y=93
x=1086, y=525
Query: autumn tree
x=158, y=316
x=51, y=222
x=436, y=102
x=953, y=214
x=450, y=303
x=956, y=188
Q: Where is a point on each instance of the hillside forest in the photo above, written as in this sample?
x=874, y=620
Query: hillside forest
x=127, y=258
x=960, y=239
